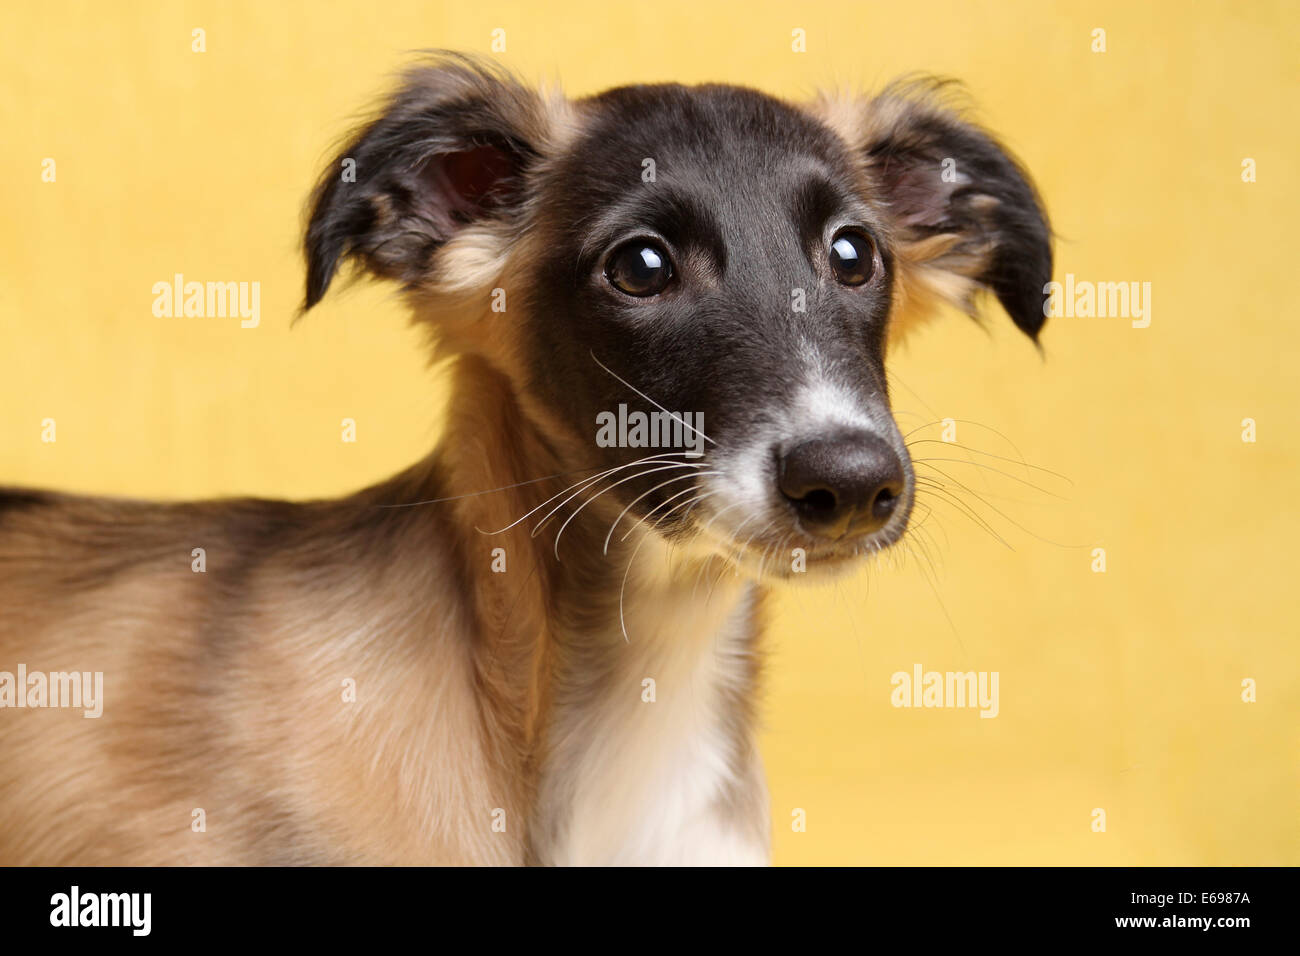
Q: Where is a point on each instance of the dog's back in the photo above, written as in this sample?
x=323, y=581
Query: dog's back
x=252, y=691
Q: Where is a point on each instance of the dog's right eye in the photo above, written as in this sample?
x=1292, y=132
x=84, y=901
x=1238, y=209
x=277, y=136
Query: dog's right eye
x=852, y=258
x=639, y=268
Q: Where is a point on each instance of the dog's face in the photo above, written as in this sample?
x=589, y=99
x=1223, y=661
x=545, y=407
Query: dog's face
x=699, y=283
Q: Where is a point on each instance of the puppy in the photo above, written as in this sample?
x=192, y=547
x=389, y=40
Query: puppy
x=667, y=310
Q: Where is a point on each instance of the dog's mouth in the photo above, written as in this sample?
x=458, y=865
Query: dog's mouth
x=776, y=547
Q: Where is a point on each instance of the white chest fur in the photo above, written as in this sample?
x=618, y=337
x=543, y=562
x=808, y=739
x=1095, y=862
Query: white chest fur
x=656, y=764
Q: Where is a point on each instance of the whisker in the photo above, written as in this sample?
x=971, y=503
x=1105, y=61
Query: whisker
x=622, y=622
x=632, y=477
x=890, y=372
x=980, y=464
x=963, y=508
x=923, y=550
x=641, y=521
x=989, y=454
x=719, y=514
x=934, y=589
x=643, y=495
x=726, y=566
x=674, y=415
x=967, y=421
x=1004, y=514
x=701, y=497
x=585, y=482
x=475, y=494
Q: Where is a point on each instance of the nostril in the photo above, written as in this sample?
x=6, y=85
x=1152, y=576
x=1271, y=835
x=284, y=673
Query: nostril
x=882, y=506
x=818, y=500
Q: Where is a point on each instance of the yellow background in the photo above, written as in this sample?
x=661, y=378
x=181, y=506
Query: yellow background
x=1119, y=690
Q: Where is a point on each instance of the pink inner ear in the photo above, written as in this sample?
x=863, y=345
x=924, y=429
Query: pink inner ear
x=474, y=174
x=917, y=193
x=921, y=198
x=462, y=186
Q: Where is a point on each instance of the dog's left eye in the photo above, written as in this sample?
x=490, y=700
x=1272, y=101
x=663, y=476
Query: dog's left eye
x=853, y=258
x=639, y=268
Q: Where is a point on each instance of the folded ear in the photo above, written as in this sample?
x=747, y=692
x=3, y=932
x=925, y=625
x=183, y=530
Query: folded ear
x=962, y=212
x=448, y=155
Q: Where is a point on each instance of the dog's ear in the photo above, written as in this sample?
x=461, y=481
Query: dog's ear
x=962, y=213
x=449, y=154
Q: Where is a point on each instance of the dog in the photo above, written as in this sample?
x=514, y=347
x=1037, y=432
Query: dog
x=666, y=310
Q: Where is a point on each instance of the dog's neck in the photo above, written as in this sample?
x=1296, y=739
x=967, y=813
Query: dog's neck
x=607, y=676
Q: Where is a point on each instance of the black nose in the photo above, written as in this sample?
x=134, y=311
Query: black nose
x=847, y=483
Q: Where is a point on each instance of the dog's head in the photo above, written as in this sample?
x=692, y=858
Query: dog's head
x=694, y=286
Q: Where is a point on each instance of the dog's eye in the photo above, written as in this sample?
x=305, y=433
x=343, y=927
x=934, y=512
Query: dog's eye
x=852, y=258
x=639, y=268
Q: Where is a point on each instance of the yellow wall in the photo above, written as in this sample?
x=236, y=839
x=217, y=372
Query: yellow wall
x=1118, y=690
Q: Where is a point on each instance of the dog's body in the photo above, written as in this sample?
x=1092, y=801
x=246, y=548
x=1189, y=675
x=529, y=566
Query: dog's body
x=224, y=690
x=416, y=674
